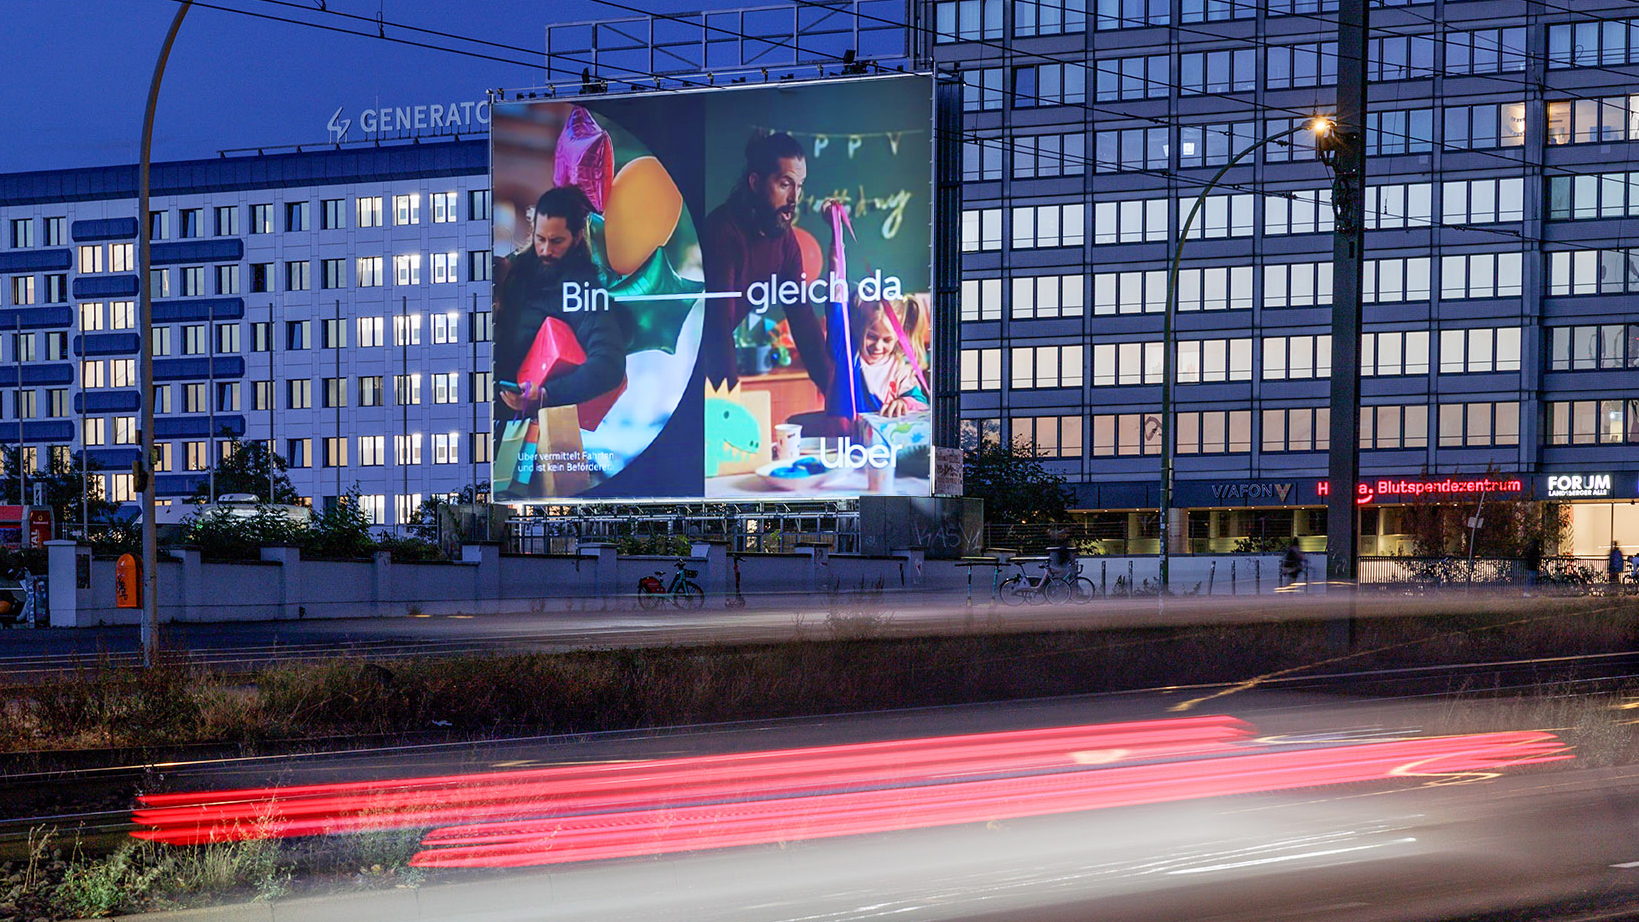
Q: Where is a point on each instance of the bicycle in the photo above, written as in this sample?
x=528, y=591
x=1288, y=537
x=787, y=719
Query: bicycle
x=1021, y=588
x=683, y=591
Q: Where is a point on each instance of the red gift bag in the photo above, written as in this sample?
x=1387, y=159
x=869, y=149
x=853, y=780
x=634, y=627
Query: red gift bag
x=556, y=352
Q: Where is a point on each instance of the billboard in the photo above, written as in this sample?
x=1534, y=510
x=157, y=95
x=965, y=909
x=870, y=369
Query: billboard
x=719, y=294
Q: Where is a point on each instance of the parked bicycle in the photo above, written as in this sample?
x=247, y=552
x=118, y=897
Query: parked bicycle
x=1054, y=584
x=683, y=592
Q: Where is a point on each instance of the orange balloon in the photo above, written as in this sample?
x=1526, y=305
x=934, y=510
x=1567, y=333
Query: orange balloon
x=813, y=261
x=644, y=206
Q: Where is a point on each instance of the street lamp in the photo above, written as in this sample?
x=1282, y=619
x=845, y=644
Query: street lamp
x=1320, y=126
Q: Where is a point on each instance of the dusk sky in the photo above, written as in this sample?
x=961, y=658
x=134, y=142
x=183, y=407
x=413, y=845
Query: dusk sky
x=79, y=72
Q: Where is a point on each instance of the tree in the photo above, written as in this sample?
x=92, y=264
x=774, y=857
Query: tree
x=1015, y=485
x=244, y=468
x=65, y=487
x=1519, y=527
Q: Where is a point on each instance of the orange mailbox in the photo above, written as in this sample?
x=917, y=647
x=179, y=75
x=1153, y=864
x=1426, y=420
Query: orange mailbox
x=127, y=582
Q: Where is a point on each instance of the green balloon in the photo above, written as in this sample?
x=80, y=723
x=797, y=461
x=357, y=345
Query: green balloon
x=654, y=324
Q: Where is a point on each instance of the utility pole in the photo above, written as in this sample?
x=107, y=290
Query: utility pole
x=1344, y=151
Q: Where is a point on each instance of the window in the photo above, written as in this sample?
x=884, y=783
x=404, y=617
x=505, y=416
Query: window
x=445, y=268
x=261, y=277
x=56, y=287
x=1389, y=280
x=1048, y=296
x=1489, y=51
x=1584, y=121
x=478, y=204
x=195, y=339
x=981, y=369
x=1405, y=131
x=1041, y=156
x=1048, y=17
x=443, y=207
x=1593, y=195
x=370, y=331
x=335, y=393
x=368, y=271
x=159, y=225
x=1048, y=226
x=93, y=375
x=299, y=452
x=1131, y=14
x=482, y=383
x=406, y=508
x=122, y=373
x=406, y=390
x=1591, y=422
x=335, y=451
x=1131, y=221
x=982, y=157
x=1116, y=364
x=1124, y=434
x=1291, y=147
x=1298, y=66
x=1146, y=77
x=1400, y=57
x=1049, y=436
x=446, y=448
x=370, y=391
x=1394, y=426
x=407, y=209
x=193, y=281
x=369, y=208
x=95, y=431
x=227, y=396
x=1215, y=289
x=24, y=404
x=199, y=456
x=480, y=266
x=122, y=257
x=1289, y=357
x=1586, y=272
x=1591, y=43
x=1487, y=126
x=159, y=283
x=1398, y=205
x=374, y=507
x=91, y=316
x=975, y=433
x=1206, y=361
x=446, y=387
x=58, y=402
x=23, y=347
x=1485, y=201
x=332, y=213
x=334, y=273
x=407, y=330
x=1128, y=149
x=262, y=395
x=195, y=398
x=1479, y=351
x=22, y=289
x=1130, y=292
x=407, y=269
x=90, y=259
x=296, y=334
x=1226, y=71
x=333, y=333
x=227, y=280
x=981, y=230
x=1394, y=353
x=1305, y=211
x=1219, y=216
x=227, y=220
x=299, y=393
x=407, y=448
x=446, y=327
x=261, y=219
x=1297, y=429
x=1297, y=284
x=22, y=233
x=1046, y=366
x=1214, y=432
x=162, y=404
x=1479, y=424
x=982, y=89
x=1480, y=275
x=57, y=346
x=261, y=336
x=56, y=231
x=296, y=276
x=981, y=299
x=481, y=326
x=1584, y=348
x=191, y=222
x=1049, y=85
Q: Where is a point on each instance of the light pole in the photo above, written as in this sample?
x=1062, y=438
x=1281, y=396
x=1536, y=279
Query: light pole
x=1320, y=126
x=145, y=464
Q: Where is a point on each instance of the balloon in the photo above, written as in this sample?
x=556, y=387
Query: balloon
x=654, y=324
x=644, y=206
x=585, y=157
x=813, y=261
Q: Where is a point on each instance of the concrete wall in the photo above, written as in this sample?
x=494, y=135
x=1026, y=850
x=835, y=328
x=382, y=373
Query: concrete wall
x=284, y=586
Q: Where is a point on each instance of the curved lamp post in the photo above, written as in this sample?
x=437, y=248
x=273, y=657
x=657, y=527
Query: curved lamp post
x=1320, y=126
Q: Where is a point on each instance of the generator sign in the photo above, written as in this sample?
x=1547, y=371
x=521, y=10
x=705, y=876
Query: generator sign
x=1579, y=486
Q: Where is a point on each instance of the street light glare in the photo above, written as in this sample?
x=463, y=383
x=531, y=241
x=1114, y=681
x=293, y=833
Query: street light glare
x=1321, y=125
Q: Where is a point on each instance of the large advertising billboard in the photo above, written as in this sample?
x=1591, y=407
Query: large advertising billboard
x=719, y=294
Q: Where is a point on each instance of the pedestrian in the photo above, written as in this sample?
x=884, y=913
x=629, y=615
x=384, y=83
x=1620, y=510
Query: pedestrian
x=1292, y=564
x=1616, y=562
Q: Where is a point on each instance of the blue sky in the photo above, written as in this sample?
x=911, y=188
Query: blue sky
x=78, y=70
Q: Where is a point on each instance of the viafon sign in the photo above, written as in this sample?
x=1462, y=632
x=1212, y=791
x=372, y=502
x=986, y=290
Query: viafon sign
x=718, y=294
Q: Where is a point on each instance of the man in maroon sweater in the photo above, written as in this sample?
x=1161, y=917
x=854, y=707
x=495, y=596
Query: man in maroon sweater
x=748, y=239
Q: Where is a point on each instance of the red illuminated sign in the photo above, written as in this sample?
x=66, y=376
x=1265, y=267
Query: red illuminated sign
x=1392, y=488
